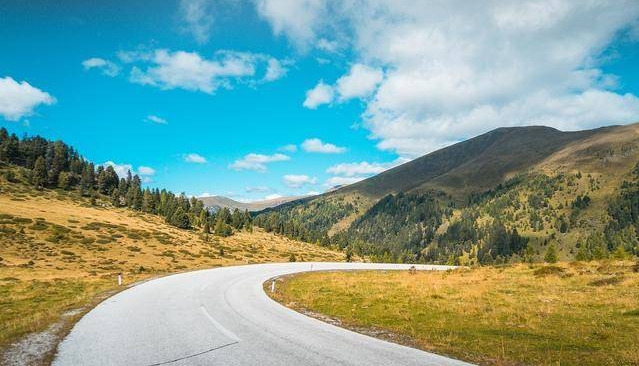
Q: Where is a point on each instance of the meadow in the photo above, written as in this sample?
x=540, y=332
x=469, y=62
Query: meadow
x=565, y=314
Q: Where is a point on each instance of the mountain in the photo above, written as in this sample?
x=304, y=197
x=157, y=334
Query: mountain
x=217, y=202
x=505, y=195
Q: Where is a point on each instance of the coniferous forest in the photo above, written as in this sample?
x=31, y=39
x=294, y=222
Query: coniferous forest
x=56, y=165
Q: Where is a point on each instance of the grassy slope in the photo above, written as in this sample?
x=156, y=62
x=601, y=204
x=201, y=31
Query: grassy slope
x=570, y=314
x=58, y=252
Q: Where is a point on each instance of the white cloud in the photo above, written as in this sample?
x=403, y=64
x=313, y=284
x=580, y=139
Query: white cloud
x=108, y=67
x=274, y=70
x=360, y=82
x=456, y=69
x=321, y=94
x=18, y=100
x=146, y=170
x=299, y=18
x=190, y=71
x=156, y=119
x=257, y=162
x=288, y=148
x=120, y=169
x=197, y=18
x=342, y=181
x=298, y=181
x=312, y=193
x=316, y=145
x=194, y=158
x=363, y=168
x=327, y=46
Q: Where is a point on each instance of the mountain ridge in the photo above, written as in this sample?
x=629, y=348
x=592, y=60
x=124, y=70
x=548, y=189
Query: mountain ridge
x=531, y=181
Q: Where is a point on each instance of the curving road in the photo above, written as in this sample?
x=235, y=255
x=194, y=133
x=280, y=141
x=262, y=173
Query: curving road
x=223, y=317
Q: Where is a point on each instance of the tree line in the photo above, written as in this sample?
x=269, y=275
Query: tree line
x=56, y=165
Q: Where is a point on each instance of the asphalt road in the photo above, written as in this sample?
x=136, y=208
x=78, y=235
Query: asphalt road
x=223, y=317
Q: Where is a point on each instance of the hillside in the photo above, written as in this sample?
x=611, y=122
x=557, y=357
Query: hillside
x=61, y=250
x=217, y=202
x=505, y=195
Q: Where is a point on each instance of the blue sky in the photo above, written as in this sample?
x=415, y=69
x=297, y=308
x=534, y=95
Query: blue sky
x=251, y=99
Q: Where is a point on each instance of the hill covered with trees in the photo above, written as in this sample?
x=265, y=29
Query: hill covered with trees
x=512, y=194
x=54, y=164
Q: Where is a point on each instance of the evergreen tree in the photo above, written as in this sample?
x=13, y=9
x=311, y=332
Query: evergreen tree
x=180, y=219
x=39, y=174
x=222, y=228
x=87, y=180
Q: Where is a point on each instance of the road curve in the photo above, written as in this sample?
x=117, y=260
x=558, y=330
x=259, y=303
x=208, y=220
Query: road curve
x=223, y=317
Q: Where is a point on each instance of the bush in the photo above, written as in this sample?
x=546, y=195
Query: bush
x=551, y=254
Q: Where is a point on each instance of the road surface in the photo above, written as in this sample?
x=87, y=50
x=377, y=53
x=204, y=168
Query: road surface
x=223, y=317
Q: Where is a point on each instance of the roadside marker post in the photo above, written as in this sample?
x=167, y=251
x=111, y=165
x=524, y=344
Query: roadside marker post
x=119, y=279
x=273, y=286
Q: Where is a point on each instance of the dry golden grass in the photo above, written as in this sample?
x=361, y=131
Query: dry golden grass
x=569, y=314
x=57, y=252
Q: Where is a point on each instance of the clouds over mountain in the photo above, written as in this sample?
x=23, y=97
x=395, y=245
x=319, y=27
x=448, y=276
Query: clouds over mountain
x=455, y=69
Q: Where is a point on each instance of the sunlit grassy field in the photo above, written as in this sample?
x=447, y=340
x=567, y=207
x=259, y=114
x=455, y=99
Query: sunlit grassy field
x=568, y=314
x=58, y=252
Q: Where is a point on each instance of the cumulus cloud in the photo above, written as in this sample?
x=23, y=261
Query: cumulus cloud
x=108, y=68
x=363, y=168
x=19, y=99
x=274, y=70
x=191, y=71
x=194, y=158
x=298, y=181
x=360, y=82
x=321, y=94
x=298, y=19
x=197, y=18
x=122, y=170
x=453, y=69
x=257, y=162
x=155, y=119
x=341, y=181
x=318, y=146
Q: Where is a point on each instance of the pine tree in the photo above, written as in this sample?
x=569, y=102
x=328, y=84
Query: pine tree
x=39, y=175
x=87, y=180
x=180, y=219
x=222, y=228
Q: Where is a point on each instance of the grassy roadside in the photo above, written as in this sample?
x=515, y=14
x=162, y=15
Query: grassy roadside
x=60, y=255
x=568, y=314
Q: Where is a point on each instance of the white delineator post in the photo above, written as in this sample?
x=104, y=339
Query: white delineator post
x=273, y=286
x=119, y=279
